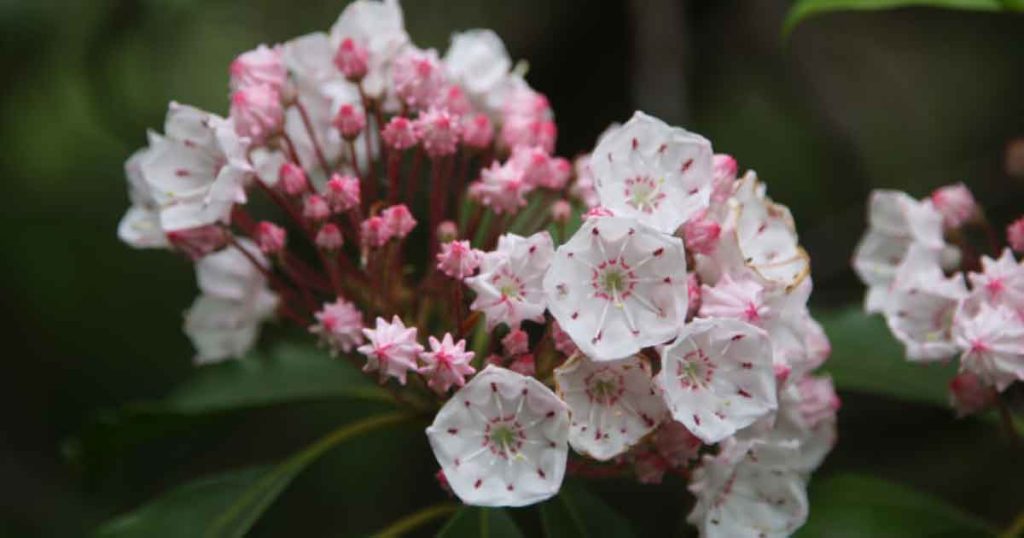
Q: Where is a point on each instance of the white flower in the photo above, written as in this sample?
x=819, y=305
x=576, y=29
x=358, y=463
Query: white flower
x=508, y=287
x=477, y=61
x=657, y=174
x=921, y=305
x=992, y=340
x=613, y=404
x=807, y=414
x=749, y=489
x=501, y=440
x=197, y=171
x=224, y=321
x=379, y=27
x=618, y=286
x=718, y=377
x=140, y=226
x=895, y=221
x=1001, y=281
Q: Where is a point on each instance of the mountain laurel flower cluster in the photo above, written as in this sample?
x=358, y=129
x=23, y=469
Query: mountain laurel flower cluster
x=642, y=305
x=941, y=295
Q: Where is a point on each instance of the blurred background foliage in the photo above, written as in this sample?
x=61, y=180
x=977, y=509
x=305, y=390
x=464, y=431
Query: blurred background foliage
x=911, y=99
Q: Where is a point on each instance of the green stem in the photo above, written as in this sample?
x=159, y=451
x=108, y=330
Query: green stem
x=417, y=519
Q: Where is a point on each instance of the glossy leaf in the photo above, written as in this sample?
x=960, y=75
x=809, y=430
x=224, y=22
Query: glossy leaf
x=474, y=522
x=803, y=9
x=849, y=506
x=865, y=357
x=229, y=505
x=576, y=512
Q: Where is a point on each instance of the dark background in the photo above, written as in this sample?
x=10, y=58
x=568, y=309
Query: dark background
x=908, y=99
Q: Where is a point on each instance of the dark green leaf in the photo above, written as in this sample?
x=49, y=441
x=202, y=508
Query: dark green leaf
x=865, y=357
x=849, y=506
x=473, y=522
x=803, y=9
x=229, y=505
x=576, y=512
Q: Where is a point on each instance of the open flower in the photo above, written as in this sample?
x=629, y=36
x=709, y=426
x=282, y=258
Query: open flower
x=618, y=286
x=508, y=288
x=657, y=174
x=718, y=377
x=502, y=440
x=613, y=404
x=140, y=226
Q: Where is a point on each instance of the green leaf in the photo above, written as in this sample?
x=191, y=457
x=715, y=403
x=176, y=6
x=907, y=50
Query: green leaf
x=228, y=505
x=289, y=373
x=848, y=506
x=576, y=512
x=865, y=357
x=803, y=9
x=473, y=522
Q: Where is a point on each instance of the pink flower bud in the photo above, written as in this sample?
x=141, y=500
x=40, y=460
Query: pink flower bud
x=374, y=232
x=349, y=121
x=454, y=100
x=292, y=179
x=561, y=210
x=676, y=444
x=418, y=78
x=447, y=231
x=693, y=295
x=342, y=193
x=257, y=112
x=1015, y=235
x=968, y=394
x=270, y=237
x=352, y=60
x=458, y=260
x=649, y=467
x=955, y=203
x=516, y=342
x=477, y=131
x=782, y=372
x=495, y=359
x=529, y=133
x=438, y=131
x=400, y=133
x=700, y=234
x=598, y=211
x=818, y=399
x=725, y=169
x=524, y=364
x=198, y=242
x=563, y=342
x=399, y=220
x=329, y=237
x=262, y=65
x=315, y=208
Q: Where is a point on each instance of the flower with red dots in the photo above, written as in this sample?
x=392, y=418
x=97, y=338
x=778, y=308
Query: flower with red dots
x=508, y=288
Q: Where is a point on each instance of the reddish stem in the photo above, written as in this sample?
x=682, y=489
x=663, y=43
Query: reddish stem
x=312, y=137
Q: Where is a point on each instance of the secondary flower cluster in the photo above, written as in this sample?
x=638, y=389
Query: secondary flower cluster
x=914, y=258
x=417, y=223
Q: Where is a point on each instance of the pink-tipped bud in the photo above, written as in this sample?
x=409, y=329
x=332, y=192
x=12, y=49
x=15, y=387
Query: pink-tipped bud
x=495, y=359
x=352, y=60
x=342, y=193
x=524, y=364
x=399, y=220
x=700, y=234
x=198, y=242
x=598, y=211
x=516, y=342
x=262, y=65
x=693, y=295
x=454, y=100
x=442, y=482
x=955, y=203
x=329, y=237
x=270, y=237
x=968, y=394
x=418, y=78
x=315, y=208
x=257, y=112
x=818, y=399
x=349, y=121
x=447, y=231
x=782, y=372
x=1015, y=235
x=561, y=210
x=477, y=131
x=563, y=342
x=374, y=232
x=400, y=133
x=439, y=132
x=292, y=179
x=458, y=259
x=725, y=169
x=528, y=132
